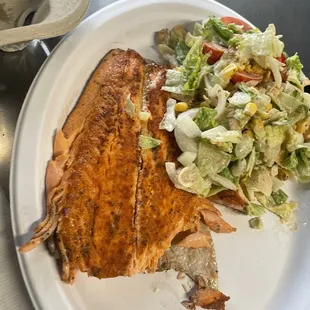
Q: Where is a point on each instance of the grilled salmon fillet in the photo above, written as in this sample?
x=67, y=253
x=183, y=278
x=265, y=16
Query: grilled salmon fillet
x=162, y=210
x=110, y=205
x=91, y=182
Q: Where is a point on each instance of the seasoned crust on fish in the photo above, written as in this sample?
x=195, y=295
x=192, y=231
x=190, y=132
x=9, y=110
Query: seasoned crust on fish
x=162, y=210
x=91, y=193
x=111, y=206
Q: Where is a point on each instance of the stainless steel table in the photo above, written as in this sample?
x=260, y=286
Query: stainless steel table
x=17, y=70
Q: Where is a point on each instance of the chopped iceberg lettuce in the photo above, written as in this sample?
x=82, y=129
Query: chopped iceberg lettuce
x=146, y=142
x=259, y=181
x=255, y=209
x=260, y=45
x=279, y=197
x=169, y=119
x=210, y=159
x=244, y=147
x=205, y=118
x=130, y=107
x=294, y=70
x=190, y=177
x=256, y=223
x=221, y=134
x=274, y=138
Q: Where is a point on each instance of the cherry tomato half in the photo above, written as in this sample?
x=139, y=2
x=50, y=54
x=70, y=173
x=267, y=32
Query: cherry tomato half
x=234, y=20
x=282, y=58
x=216, y=51
x=245, y=77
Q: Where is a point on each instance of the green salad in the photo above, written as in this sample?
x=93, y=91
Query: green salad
x=238, y=111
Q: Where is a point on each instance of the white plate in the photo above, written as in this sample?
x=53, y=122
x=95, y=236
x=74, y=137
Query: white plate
x=258, y=270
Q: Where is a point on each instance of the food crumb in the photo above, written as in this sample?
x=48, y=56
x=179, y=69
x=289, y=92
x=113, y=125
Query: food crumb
x=181, y=276
x=156, y=289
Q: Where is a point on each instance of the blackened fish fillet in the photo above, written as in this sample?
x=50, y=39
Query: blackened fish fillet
x=162, y=210
x=111, y=206
x=92, y=179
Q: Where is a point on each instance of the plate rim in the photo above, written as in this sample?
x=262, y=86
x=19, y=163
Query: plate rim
x=111, y=10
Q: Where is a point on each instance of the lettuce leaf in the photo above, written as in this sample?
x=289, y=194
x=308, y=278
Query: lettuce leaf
x=221, y=134
x=244, y=147
x=285, y=211
x=279, y=197
x=191, y=178
x=223, y=181
x=290, y=161
x=260, y=181
x=169, y=119
x=214, y=29
x=205, y=118
x=254, y=209
x=294, y=70
x=239, y=168
x=130, y=107
x=181, y=50
x=174, y=82
x=260, y=45
x=187, y=79
x=287, y=102
x=256, y=223
x=146, y=142
x=274, y=138
x=210, y=159
x=302, y=170
x=192, y=65
x=226, y=173
x=240, y=99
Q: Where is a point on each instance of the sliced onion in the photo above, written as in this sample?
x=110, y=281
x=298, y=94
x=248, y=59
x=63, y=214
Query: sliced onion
x=173, y=176
x=189, y=127
x=184, y=142
x=144, y=116
x=187, y=158
x=275, y=69
x=171, y=171
x=213, y=133
x=191, y=113
x=223, y=181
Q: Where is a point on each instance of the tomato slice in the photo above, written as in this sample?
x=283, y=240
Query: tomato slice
x=234, y=20
x=245, y=77
x=216, y=51
x=282, y=58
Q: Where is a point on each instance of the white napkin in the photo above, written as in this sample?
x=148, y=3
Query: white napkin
x=13, y=293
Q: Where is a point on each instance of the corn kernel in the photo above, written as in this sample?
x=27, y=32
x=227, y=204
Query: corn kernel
x=229, y=71
x=248, y=68
x=256, y=68
x=268, y=107
x=258, y=124
x=181, y=107
x=250, y=109
x=301, y=126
